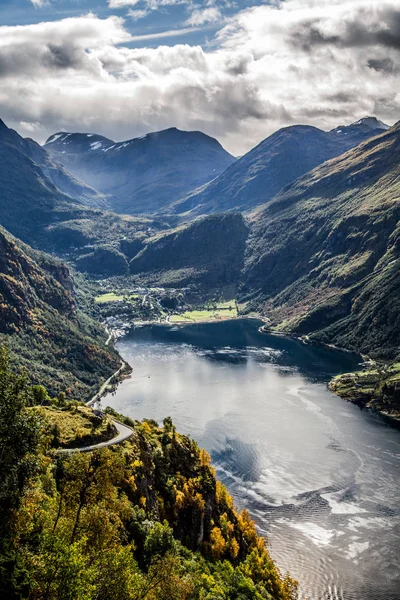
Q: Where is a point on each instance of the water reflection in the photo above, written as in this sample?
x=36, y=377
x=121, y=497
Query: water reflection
x=320, y=477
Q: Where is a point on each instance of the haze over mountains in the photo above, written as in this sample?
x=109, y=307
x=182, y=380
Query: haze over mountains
x=142, y=175
x=162, y=171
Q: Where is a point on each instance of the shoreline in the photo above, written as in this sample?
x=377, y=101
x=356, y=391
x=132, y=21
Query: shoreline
x=392, y=420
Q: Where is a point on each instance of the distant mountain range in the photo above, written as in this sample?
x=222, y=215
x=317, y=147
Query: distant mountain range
x=35, y=207
x=190, y=174
x=142, y=175
x=277, y=161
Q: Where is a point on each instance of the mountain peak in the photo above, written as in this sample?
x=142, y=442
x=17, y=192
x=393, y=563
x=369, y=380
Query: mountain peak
x=371, y=122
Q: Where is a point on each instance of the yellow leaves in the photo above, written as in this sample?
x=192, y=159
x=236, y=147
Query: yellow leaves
x=233, y=548
x=226, y=526
x=217, y=543
x=142, y=501
x=248, y=530
x=179, y=499
x=132, y=483
x=146, y=428
x=222, y=496
x=189, y=495
x=136, y=464
x=204, y=458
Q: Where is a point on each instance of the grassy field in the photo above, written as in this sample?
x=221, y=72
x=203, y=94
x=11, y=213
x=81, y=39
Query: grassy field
x=112, y=297
x=75, y=426
x=199, y=316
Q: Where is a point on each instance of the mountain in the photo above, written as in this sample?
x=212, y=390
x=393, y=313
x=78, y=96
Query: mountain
x=29, y=199
x=42, y=325
x=31, y=185
x=142, y=175
x=277, y=161
x=323, y=257
x=34, y=209
x=54, y=173
x=208, y=252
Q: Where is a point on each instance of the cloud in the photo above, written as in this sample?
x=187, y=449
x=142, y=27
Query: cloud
x=150, y=4
x=206, y=15
x=135, y=15
x=320, y=62
x=40, y=3
x=122, y=3
x=162, y=34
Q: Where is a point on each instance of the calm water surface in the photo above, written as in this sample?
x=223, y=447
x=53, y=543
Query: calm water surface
x=319, y=476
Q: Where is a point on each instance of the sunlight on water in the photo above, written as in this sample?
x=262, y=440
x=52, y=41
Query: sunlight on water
x=319, y=476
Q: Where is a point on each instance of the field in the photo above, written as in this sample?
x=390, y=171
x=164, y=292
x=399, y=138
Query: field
x=112, y=297
x=225, y=310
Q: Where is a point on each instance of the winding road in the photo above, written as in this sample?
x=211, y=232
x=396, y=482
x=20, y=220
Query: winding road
x=124, y=433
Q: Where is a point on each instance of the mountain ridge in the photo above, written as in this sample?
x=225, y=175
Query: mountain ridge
x=144, y=174
x=322, y=257
x=274, y=163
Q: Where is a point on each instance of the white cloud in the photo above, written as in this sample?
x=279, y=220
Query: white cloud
x=150, y=4
x=206, y=15
x=162, y=34
x=321, y=62
x=40, y=3
x=122, y=3
x=138, y=14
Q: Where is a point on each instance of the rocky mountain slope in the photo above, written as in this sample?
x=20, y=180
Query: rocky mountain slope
x=323, y=257
x=42, y=325
x=145, y=174
x=277, y=161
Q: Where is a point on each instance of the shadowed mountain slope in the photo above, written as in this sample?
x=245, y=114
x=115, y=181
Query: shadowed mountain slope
x=277, y=161
x=34, y=209
x=208, y=252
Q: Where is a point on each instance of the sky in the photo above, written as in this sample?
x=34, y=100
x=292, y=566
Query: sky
x=237, y=70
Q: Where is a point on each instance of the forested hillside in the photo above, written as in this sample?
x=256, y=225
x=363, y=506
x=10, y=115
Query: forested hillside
x=47, y=334
x=323, y=257
x=208, y=252
x=146, y=520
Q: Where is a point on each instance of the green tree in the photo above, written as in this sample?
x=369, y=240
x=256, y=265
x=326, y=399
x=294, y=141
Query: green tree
x=19, y=443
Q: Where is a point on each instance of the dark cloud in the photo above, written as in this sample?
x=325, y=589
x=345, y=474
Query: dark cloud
x=62, y=57
x=382, y=64
x=359, y=30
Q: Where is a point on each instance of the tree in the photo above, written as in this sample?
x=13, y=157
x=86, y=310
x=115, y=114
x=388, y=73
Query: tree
x=19, y=443
x=19, y=436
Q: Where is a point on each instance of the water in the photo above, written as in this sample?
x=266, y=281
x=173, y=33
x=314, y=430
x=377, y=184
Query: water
x=319, y=476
